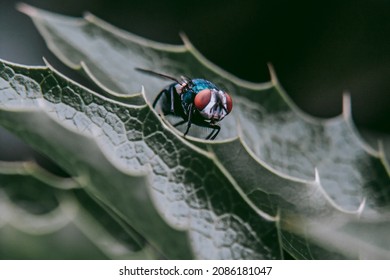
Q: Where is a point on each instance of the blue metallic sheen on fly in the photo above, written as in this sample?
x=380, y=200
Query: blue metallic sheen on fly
x=197, y=86
x=196, y=101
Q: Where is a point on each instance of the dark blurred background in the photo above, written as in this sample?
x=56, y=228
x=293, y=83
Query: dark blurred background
x=319, y=49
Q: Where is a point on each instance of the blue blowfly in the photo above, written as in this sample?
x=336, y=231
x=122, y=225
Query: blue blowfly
x=196, y=101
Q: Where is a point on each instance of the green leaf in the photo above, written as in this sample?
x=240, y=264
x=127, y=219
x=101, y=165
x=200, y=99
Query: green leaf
x=273, y=129
x=109, y=147
x=272, y=182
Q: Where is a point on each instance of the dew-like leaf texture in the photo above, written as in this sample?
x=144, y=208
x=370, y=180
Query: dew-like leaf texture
x=275, y=180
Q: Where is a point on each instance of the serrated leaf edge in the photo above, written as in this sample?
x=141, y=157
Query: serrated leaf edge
x=307, y=183
x=188, y=46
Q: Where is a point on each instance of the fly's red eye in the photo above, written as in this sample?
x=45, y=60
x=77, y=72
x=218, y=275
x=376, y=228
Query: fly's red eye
x=229, y=103
x=202, y=99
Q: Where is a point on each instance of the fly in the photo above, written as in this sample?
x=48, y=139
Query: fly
x=196, y=101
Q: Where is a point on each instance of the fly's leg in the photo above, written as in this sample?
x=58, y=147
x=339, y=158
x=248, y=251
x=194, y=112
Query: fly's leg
x=158, y=97
x=172, y=99
x=180, y=123
x=216, y=129
x=169, y=95
x=189, y=119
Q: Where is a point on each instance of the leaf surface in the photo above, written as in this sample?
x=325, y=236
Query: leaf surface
x=272, y=181
x=124, y=156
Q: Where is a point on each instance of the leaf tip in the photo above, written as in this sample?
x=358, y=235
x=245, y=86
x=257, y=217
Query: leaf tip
x=45, y=61
x=143, y=93
x=317, y=176
x=382, y=155
x=26, y=9
x=272, y=73
x=185, y=39
x=361, y=206
x=347, y=109
x=87, y=15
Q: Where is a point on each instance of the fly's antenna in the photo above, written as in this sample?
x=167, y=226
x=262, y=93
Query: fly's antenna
x=150, y=72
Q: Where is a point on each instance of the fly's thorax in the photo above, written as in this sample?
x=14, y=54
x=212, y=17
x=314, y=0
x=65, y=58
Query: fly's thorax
x=187, y=98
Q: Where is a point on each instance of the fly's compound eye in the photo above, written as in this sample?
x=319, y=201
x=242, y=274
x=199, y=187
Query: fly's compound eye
x=229, y=103
x=202, y=99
